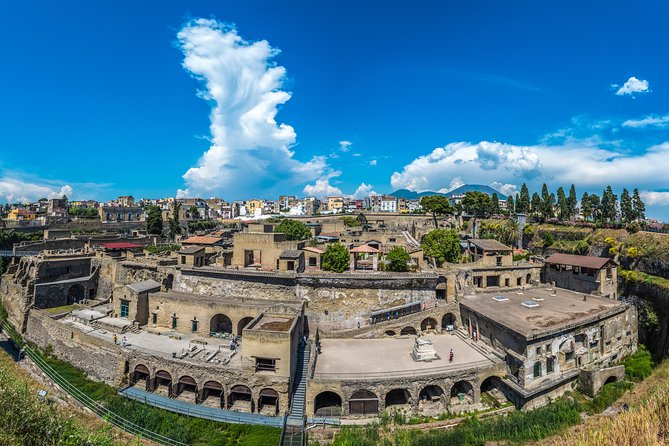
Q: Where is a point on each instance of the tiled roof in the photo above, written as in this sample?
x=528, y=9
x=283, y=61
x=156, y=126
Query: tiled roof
x=202, y=240
x=582, y=261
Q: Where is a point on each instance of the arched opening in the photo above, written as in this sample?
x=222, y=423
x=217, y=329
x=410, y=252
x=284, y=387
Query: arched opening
x=140, y=377
x=408, y=331
x=220, y=323
x=492, y=394
x=428, y=323
x=397, y=397
x=268, y=403
x=441, y=289
x=327, y=404
x=390, y=333
x=75, y=294
x=243, y=323
x=240, y=399
x=537, y=369
x=212, y=394
x=186, y=389
x=462, y=392
x=363, y=402
x=611, y=379
x=168, y=281
x=162, y=383
x=528, y=279
x=448, y=322
x=430, y=397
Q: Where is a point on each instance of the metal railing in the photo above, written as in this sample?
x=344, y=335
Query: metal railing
x=469, y=366
x=84, y=399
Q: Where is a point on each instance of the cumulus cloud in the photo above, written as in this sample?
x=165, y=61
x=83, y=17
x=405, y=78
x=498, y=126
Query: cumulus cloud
x=632, y=86
x=583, y=163
x=507, y=188
x=322, y=188
x=648, y=121
x=364, y=190
x=345, y=146
x=373, y=162
x=250, y=152
x=653, y=198
x=15, y=190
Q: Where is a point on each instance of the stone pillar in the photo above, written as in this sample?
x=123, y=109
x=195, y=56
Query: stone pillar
x=477, y=394
x=375, y=262
x=352, y=261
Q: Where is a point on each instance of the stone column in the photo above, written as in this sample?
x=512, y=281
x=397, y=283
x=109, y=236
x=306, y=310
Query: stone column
x=375, y=262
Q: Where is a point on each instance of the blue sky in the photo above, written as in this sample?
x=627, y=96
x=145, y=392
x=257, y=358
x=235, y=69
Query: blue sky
x=101, y=98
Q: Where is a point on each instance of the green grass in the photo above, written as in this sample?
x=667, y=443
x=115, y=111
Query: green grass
x=639, y=366
x=190, y=430
x=63, y=309
x=606, y=396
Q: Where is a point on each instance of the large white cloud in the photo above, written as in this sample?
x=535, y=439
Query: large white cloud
x=587, y=163
x=322, y=188
x=16, y=190
x=632, y=86
x=250, y=152
x=652, y=198
x=364, y=190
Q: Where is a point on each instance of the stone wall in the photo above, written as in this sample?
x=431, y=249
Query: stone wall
x=592, y=380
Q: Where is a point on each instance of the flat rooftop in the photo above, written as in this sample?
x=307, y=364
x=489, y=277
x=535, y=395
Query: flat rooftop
x=387, y=357
x=273, y=323
x=519, y=313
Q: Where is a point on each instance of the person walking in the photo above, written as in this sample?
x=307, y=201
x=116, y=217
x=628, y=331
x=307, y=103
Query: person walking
x=124, y=341
x=450, y=356
x=115, y=339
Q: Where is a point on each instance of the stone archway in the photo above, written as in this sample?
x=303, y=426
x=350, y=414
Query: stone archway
x=220, y=323
x=363, y=402
x=431, y=398
x=212, y=394
x=492, y=392
x=162, y=383
x=268, y=402
x=76, y=294
x=243, y=323
x=462, y=392
x=240, y=399
x=448, y=322
x=408, y=331
x=397, y=398
x=139, y=375
x=327, y=404
x=186, y=389
x=429, y=323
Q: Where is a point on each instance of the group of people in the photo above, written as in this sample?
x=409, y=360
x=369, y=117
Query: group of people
x=124, y=341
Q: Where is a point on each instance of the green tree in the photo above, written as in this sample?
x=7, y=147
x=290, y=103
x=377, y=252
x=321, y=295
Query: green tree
x=626, y=208
x=477, y=203
x=572, y=201
x=495, y=203
x=397, y=259
x=154, y=220
x=586, y=206
x=609, y=205
x=443, y=245
x=510, y=205
x=536, y=204
x=562, y=204
x=547, y=202
x=175, y=225
x=595, y=206
x=362, y=219
x=638, y=206
x=524, y=204
x=335, y=258
x=193, y=212
x=294, y=229
x=436, y=205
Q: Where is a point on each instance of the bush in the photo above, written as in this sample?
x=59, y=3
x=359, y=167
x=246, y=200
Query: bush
x=294, y=229
x=608, y=395
x=582, y=247
x=443, y=245
x=633, y=227
x=639, y=365
x=548, y=239
x=335, y=258
x=397, y=259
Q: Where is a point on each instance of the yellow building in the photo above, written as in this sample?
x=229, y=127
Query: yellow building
x=253, y=205
x=21, y=214
x=335, y=203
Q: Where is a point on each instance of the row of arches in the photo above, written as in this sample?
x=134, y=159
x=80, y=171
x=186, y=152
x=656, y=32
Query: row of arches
x=212, y=393
x=221, y=323
x=366, y=402
x=429, y=323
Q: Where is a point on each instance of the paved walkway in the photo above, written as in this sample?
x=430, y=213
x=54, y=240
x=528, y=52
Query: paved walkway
x=196, y=410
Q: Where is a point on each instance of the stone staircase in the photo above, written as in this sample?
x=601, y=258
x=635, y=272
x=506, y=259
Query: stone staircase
x=294, y=433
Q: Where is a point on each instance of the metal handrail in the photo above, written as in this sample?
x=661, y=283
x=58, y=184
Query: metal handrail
x=477, y=365
x=84, y=399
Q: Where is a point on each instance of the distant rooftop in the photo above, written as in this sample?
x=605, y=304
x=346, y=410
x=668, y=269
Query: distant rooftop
x=489, y=244
x=145, y=285
x=581, y=261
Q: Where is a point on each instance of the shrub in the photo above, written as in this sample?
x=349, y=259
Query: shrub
x=582, y=247
x=397, y=259
x=632, y=252
x=294, y=229
x=335, y=258
x=633, y=227
x=548, y=239
x=608, y=395
x=639, y=365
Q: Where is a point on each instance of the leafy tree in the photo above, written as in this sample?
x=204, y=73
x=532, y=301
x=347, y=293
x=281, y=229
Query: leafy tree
x=175, y=226
x=510, y=205
x=562, y=204
x=397, y=259
x=609, y=205
x=443, y=245
x=547, y=202
x=495, y=203
x=586, y=206
x=294, y=229
x=536, y=204
x=626, y=208
x=572, y=201
x=595, y=205
x=524, y=204
x=436, y=205
x=335, y=258
x=477, y=203
x=638, y=206
x=350, y=222
x=193, y=212
x=83, y=212
x=362, y=219
x=154, y=220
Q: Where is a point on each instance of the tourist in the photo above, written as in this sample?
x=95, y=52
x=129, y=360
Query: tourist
x=115, y=339
x=124, y=341
x=450, y=356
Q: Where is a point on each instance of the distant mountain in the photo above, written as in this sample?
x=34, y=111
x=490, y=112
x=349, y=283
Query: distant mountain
x=410, y=195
